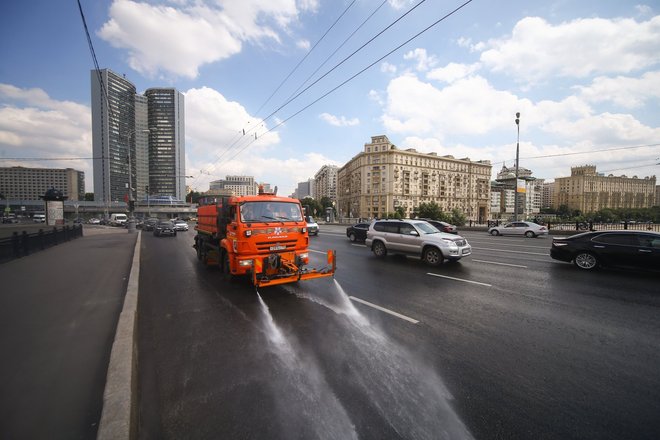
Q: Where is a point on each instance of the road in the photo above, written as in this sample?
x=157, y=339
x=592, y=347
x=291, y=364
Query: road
x=506, y=344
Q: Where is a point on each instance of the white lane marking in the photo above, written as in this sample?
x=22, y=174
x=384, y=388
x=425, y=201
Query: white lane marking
x=500, y=264
x=359, y=245
x=458, y=279
x=511, y=252
x=383, y=309
x=318, y=252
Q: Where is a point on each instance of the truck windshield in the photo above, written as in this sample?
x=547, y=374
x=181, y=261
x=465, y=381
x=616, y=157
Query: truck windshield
x=270, y=211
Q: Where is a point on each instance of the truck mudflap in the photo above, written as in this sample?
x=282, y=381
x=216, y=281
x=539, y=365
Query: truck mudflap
x=277, y=269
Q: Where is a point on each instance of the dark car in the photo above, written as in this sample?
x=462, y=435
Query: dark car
x=442, y=226
x=590, y=250
x=357, y=232
x=164, y=228
x=150, y=223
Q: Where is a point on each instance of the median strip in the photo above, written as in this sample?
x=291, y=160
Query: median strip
x=383, y=309
x=459, y=279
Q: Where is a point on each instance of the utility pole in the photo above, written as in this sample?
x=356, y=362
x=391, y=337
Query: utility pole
x=515, y=186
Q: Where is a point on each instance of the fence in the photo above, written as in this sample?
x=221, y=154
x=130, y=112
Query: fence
x=23, y=244
x=585, y=226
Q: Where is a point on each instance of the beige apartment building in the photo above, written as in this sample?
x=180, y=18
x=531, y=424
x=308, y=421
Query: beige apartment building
x=589, y=191
x=325, y=183
x=382, y=178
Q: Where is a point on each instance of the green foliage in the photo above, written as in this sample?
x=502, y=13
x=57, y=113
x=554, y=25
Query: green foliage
x=457, y=218
x=608, y=215
x=313, y=207
x=89, y=197
x=193, y=196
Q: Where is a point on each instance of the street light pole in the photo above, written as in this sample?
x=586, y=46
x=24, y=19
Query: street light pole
x=515, y=186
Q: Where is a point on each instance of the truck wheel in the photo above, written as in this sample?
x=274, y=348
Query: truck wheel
x=224, y=266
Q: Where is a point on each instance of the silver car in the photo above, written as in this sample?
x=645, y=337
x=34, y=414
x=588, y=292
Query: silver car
x=416, y=238
x=528, y=229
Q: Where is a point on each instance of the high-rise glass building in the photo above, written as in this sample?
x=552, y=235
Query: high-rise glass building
x=145, y=131
x=167, y=162
x=113, y=130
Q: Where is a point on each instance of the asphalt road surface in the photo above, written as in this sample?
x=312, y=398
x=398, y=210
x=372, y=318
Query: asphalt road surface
x=506, y=344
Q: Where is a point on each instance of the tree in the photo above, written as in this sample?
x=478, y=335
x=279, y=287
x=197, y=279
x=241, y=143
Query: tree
x=457, y=217
x=89, y=197
x=428, y=210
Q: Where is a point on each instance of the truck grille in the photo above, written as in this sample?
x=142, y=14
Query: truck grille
x=265, y=246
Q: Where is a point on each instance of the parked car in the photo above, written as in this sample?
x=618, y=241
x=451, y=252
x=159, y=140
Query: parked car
x=10, y=220
x=357, y=232
x=416, y=238
x=180, y=225
x=94, y=221
x=590, y=250
x=164, y=228
x=442, y=226
x=312, y=226
x=528, y=229
x=39, y=218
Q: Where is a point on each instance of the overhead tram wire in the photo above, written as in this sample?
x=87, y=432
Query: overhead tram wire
x=355, y=52
x=339, y=47
x=238, y=137
x=582, y=152
x=323, y=76
x=360, y=72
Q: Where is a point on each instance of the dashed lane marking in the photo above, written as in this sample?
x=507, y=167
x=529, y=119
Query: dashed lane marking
x=459, y=279
x=500, y=264
x=383, y=309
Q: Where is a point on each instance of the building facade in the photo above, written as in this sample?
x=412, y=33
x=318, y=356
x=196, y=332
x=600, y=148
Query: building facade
x=136, y=138
x=304, y=189
x=588, y=191
x=530, y=195
x=549, y=195
x=166, y=122
x=382, y=178
x=237, y=185
x=113, y=130
x=19, y=183
x=325, y=183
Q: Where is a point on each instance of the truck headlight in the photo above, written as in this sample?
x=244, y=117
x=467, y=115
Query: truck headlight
x=245, y=263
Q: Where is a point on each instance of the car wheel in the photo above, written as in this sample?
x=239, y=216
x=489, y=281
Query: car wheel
x=432, y=256
x=586, y=261
x=494, y=232
x=530, y=234
x=352, y=237
x=379, y=249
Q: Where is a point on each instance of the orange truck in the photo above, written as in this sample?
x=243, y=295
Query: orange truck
x=262, y=236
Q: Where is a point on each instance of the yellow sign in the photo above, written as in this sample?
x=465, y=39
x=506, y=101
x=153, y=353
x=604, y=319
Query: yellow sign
x=521, y=186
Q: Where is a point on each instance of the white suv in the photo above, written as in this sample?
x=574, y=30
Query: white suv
x=417, y=238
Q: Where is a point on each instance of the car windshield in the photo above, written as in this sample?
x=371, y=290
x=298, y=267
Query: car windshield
x=426, y=228
x=264, y=211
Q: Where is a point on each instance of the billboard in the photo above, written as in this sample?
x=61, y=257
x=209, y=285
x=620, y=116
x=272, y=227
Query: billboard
x=520, y=187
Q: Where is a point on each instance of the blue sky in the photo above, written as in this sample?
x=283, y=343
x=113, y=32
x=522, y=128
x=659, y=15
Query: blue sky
x=584, y=75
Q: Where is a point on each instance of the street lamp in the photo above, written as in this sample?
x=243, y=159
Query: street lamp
x=515, y=186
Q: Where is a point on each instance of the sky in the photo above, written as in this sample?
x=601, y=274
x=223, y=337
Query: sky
x=310, y=81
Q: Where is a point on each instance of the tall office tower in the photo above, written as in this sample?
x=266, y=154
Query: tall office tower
x=113, y=134
x=141, y=147
x=167, y=164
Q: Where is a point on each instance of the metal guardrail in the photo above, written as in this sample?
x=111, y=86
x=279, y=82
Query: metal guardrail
x=22, y=244
x=584, y=226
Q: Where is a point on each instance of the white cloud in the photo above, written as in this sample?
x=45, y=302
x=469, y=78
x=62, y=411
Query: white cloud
x=424, y=61
x=303, y=44
x=414, y=106
x=623, y=91
x=180, y=39
x=452, y=72
x=388, y=68
x=537, y=49
x=33, y=125
x=339, y=121
x=399, y=4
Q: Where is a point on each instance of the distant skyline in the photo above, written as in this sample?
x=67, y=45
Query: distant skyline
x=584, y=75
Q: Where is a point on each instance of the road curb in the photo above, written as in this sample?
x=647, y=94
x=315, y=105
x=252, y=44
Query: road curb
x=119, y=415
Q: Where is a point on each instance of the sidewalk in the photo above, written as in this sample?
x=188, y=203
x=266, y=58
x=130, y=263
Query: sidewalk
x=59, y=310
